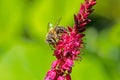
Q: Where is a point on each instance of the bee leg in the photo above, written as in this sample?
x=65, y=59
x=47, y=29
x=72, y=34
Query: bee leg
x=51, y=47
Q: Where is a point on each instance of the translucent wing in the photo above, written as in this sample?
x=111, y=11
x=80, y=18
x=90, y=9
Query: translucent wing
x=49, y=27
x=58, y=21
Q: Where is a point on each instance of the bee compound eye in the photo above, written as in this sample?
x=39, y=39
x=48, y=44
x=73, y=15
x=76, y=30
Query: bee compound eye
x=49, y=40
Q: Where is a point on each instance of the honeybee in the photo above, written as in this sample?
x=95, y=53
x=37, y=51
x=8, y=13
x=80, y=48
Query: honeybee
x=54, y=33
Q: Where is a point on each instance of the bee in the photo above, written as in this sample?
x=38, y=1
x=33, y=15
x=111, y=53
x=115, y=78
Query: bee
x=54, y=33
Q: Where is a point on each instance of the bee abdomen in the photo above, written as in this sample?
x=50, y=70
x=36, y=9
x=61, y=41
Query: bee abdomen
x=60, y=29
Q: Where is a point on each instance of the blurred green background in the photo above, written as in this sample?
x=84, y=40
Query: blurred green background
x=24, y=55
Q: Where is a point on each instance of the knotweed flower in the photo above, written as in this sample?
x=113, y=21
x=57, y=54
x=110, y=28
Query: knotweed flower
x=69, y=45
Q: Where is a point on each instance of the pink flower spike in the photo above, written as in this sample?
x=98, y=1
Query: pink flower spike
x=69, y=62
x=50, y=75
x=55, y=63
x=75, y=52
x=61, y=78
x=93, y=3
x=68, y=46
x=75, y=19
x=82, y=9
x=68, y=77
x=69, y=28
x=66, y=67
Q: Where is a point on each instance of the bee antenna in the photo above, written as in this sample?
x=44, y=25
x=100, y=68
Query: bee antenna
x=51, y=47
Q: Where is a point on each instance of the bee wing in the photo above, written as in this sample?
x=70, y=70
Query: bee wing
x=58, y=21
x=50, y=26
